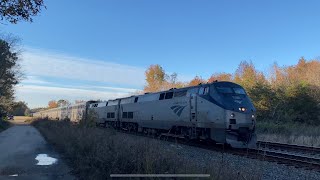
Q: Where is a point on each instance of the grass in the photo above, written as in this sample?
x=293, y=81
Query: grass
x=4, y=124
x=300, y=134
x=95, y=153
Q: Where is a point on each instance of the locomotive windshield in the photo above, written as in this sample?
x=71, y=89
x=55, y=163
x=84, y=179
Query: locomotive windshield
x=239, y=91
x=230, y=96
x=225, y=90
x=229, y=90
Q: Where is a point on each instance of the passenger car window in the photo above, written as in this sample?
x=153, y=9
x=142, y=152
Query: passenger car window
x=125, y=115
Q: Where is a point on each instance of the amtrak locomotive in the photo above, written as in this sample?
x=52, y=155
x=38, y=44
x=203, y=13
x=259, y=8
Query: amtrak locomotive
x=220, y=112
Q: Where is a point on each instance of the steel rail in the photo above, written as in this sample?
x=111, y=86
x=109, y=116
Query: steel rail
x=288, y=147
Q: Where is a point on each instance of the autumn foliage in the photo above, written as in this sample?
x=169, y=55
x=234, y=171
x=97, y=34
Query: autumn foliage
x=283, y=94
x=52, y=104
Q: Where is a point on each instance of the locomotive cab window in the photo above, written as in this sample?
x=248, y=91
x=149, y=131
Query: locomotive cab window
x=169, y=95
x=239, y=91
x=225, y=90
x=136, y=99
x=204, y=90
x=161, y=96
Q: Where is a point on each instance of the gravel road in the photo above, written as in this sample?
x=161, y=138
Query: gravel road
x=20, y=145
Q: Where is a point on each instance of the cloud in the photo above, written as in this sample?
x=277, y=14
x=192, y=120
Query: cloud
x=34, y=80
x=54, y=76
x=39, y=96
x=43, y=63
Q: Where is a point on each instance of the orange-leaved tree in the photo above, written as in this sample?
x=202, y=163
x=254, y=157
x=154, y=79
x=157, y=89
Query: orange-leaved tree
x=52, y=104
x=155, y=77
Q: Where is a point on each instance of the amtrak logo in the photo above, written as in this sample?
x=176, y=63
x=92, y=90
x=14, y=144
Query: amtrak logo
x=177, y=109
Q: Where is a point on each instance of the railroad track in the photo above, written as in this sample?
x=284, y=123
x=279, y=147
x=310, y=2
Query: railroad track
x=272, y=152
x=295, y=155
x=289, y=147
x=266, y=151
x=295, y=160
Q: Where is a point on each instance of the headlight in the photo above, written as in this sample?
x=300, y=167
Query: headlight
x=242, y=109
x=232, y=115
x=252, y=116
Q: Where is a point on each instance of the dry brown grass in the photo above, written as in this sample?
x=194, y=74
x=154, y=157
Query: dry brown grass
x=95, y=153
x=291, y=139
x=299, y=134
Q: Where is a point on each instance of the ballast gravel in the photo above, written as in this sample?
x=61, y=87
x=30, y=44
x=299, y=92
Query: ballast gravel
x=246, y=168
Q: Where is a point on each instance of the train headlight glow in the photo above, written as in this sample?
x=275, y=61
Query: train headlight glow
x=252, y=116
x=242, y=109
x=232, y=115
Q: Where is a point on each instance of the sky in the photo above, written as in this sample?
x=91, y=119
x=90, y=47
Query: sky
x=100, y=49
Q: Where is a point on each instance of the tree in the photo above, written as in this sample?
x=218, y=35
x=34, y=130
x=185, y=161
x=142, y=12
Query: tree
x=63, y=102
x=196, y=81
x=247, y=75
x=220, y=77
x=17, y=10
x=52, y=104
x=155, y=77
x=9, y=73
x=20, y=109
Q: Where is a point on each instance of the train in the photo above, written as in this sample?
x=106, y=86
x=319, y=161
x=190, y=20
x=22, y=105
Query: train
x=219, y=112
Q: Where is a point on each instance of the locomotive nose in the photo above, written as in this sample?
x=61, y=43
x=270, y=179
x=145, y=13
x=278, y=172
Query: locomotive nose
x=240, y=129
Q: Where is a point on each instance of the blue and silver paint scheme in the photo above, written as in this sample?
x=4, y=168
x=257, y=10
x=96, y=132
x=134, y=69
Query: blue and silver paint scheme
x=220, y=112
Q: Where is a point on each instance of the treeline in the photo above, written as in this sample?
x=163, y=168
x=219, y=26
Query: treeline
x=9, y=73
x=289, y=94
x=13, y=12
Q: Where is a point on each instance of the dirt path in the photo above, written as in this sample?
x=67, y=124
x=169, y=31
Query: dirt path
x=19, y=147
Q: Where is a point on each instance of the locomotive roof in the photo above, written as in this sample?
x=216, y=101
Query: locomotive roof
x=222, y=83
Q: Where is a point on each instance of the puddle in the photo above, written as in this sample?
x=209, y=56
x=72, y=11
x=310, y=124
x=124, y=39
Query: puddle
x=45, y=160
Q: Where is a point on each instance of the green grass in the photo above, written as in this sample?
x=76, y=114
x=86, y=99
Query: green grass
x=95, y=153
